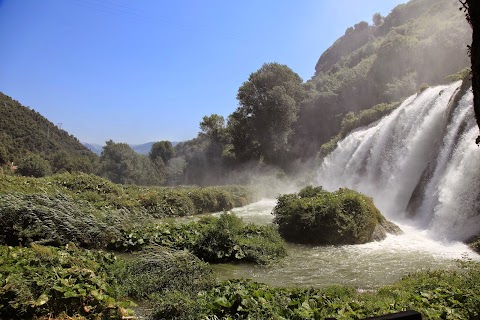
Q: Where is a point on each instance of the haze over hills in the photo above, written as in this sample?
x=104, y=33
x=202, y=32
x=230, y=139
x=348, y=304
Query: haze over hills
x=143, y=148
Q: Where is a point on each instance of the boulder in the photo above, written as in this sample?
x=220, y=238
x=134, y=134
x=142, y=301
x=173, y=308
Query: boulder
x=316, y=216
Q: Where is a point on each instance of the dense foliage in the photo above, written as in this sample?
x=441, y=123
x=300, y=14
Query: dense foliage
x=223, y=239
x=317, y=216
x=92, y=212
x=48, y=281
x=165, y=278
x=262, y=125
x=52, y=220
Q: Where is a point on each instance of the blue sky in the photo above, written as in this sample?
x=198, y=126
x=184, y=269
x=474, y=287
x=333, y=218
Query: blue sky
x=147, y=70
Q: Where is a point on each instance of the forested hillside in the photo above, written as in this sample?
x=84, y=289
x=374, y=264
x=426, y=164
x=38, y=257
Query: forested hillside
x=37, y=146
x=418, y=43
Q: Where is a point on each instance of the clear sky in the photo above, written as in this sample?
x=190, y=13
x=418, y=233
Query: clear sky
x=147, y=70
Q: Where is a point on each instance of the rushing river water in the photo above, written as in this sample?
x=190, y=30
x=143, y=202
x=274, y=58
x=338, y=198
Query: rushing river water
x=364, y=266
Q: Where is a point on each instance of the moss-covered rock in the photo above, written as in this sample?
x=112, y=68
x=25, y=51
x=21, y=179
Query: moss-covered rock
x=316, y=216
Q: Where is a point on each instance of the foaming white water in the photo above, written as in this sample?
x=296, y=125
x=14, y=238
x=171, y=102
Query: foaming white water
x=418, y=241
x=259, y=212
x=421, y=151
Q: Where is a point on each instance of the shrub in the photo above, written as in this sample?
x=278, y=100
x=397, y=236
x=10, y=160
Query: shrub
x=160, y=269
x=34, y=166
x=229, y=239
x=317, y=216
x=169, y=281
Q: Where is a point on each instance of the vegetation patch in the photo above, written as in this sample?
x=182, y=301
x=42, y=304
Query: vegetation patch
x=168, y=281
x=316, y=216
x=41, y=281
x=223, y=239
x=52, y=220
x=353, y=120
x=157, y=202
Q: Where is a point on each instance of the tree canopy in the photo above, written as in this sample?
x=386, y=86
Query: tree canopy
x=268, y=107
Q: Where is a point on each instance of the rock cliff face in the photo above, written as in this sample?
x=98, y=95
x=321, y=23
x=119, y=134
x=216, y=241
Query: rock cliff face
x=473, y=17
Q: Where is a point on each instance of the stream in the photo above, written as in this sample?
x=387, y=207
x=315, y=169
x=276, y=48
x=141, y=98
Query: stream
x=365, y=266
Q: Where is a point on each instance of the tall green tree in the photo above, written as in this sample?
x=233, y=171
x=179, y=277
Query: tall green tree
x=163, y=149
x=268, y=106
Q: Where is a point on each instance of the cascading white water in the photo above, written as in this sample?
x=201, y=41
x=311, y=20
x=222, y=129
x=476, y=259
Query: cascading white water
x=424, y=150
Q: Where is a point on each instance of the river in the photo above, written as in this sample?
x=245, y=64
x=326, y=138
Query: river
x=365, y=266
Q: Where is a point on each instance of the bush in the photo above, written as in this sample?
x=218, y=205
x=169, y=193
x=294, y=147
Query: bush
x=317, y=216
x=160, y=269
x=169, y=281
x=223, y=239
x=229, y=239
x=34, y=166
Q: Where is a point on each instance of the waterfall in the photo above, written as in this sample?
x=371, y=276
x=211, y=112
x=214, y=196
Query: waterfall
x=419, y=162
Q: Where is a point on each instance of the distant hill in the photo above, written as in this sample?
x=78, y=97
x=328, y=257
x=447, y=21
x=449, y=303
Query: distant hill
x=138, y=148
x=142, y=148
x=94, y=147
x=25, y=135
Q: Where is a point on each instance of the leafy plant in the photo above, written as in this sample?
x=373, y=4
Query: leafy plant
x=42, y=280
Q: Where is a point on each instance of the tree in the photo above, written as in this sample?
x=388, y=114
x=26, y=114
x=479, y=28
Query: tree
x=121, y=164
x=362, y=25
x=213, y=127
x=472, y=10
x=34, y=166
x=377, y=19
x=163, y=150
x=261, y=126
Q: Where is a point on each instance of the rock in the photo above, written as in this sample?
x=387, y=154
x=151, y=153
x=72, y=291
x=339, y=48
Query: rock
x=384, y=227
x=316, y=216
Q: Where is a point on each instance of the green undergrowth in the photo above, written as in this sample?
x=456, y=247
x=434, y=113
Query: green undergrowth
x=48, y=281
x=223, y=239
x=158, y=202
x=58, y=219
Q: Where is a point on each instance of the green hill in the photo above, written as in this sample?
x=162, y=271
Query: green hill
x=36, y=145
